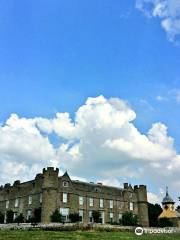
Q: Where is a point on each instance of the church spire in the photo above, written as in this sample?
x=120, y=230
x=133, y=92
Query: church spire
x=167, y=191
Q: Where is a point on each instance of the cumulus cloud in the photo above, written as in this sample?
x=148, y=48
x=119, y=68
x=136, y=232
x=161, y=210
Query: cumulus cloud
x=101, y=142
x=168, y=11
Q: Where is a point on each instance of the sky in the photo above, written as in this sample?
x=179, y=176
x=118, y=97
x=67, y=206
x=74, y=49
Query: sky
x=92, y=87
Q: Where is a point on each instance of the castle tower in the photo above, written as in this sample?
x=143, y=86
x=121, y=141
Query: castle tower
x=143, y=216
x=49, y=193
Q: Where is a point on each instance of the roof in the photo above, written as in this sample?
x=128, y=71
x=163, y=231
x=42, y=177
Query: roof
x=91, y=187
x=167, y=198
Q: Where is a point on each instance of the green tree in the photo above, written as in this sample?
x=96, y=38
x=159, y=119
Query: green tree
x=9, y=216
x=19, y=218
x=74, y=217
x=154, y=211
x=1, y=217
x=164, y=222
x=128, y=219
x=96, y=216
x=56, y=216
x=37, y=215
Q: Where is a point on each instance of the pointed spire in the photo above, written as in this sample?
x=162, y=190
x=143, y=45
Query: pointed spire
x=167, y=191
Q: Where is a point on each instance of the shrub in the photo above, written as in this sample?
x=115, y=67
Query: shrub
x=96, y=216
x=1, y=217
x=9, y=216
x=128, y=219
x=56, y=217
x=19, y=218
x=37, y=215
x=74, y=217
x=165, y=222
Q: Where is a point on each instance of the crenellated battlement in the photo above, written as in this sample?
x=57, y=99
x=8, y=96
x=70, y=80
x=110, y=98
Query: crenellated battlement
x=51, y=170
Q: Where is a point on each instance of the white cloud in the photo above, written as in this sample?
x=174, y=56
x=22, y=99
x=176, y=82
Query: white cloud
x=153, y=198
x=101, y=142
x=172, y=95
x=168, y=11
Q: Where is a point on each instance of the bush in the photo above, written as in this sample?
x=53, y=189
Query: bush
x=1, y=217
x=74, y=217
x=96, y=216
x=37, y=215
x=128, y=219
x=9, y=216
x=19, y=218
x=56, y=217
x=165, y=222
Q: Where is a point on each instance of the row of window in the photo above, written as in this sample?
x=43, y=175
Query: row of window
x=91, y=202
x=65, y=214
x=17, y=200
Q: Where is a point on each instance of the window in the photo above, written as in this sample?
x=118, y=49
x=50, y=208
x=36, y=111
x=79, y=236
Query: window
x=130, y=195
x=131, y=206
x=7, y=204
x=64, y=197
x=65, y=184
x=30, y=200
x=40, y=198
x=91, y=202
x=15, y=214
x=81, y=215
x=111, y=217
x=29, y=214
x=120, y=217
x=101, y=218
x=16, y=202
x=111, y=203
x=90, y=217
x=101, y=203
x=81, y=200
x=65, y=214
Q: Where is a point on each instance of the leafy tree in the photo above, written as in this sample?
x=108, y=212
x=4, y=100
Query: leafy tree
x=154, y=211
x=19, y=218
x=9, y=216
x=74, y=217
x=96, y=216
x=1, y=217
x=165, y=222
x=128, y=219
x=56, y=216
x=37, y=215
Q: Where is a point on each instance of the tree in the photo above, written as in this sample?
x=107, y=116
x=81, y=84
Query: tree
x=128, y=219
x=56, y=216
x=165, y=222
x=9, y=216
x=1, y=217
x=96, y=216
x=19, y=218
x=37, y=215
x=74, y=217
x=154, y=211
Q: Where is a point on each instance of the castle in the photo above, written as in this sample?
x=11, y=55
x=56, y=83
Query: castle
x=49, y=192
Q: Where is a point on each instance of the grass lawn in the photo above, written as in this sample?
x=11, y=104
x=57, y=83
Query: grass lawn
x=52, y=235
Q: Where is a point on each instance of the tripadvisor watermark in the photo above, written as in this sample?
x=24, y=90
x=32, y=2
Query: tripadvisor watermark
x=140, y=231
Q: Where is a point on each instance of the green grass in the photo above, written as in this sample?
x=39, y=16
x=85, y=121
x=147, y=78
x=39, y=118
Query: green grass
x=78, y=235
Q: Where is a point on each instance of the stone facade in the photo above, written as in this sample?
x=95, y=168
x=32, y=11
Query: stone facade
x=51, y=192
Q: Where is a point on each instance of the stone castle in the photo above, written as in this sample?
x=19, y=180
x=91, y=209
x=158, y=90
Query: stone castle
x=49, y=191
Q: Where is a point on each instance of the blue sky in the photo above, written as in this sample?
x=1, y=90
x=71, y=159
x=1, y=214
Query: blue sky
x=56, y=54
